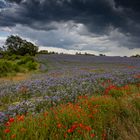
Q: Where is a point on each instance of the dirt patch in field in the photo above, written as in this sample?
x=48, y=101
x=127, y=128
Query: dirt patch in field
x=18, y=77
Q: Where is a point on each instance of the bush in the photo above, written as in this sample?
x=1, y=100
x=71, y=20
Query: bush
x=14, y=63
x=43, y=52
x=7, y=67
x=12, y=57
x=25, y=60
x=31, y=65
x=28, y=62
x=15, y=67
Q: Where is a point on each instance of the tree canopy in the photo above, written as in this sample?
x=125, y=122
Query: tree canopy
x=18, y=46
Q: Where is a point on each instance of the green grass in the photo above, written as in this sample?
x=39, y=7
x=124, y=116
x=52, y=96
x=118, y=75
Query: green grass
x=106, y=117
x=11, y=65
x=8, y=67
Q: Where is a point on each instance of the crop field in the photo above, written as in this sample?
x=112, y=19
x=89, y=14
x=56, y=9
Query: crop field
x=73, y=97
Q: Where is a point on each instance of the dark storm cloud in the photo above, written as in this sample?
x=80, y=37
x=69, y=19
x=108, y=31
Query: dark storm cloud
x=16, y=1
x=89, y=12
x=132, y=4
x=97, y=15
x=2, y=4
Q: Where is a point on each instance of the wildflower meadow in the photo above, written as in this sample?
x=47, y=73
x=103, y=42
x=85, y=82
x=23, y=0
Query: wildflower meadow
x=73, y=97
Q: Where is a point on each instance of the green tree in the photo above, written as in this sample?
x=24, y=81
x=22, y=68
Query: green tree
x=43, y=52
x=18, y=46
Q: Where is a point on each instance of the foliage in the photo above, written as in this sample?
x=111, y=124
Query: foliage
x=101, y=54
x=137, y=55
x=46, y=52
x=89, y=54
x=80, y=97
x=78, y=53
x=25, y=60
x=28, y=62
x=14, y=64
x=43, y=52
x=31, y=65
x=95, y=117
x=12, y=57
x=18, y=46
x=7, y=67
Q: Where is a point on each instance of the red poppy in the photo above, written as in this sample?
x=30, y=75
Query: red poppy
x=65, y=135
x=88, y=128
x=21, y=118
x=13, y=136
x=7, y=130
x=92, y=135
x=74, y=126
x=79, y=131
x=45, y=114
x=81, y=125
x=11, y=120
x=59, y=125
x=7, y=124
x=70, y=130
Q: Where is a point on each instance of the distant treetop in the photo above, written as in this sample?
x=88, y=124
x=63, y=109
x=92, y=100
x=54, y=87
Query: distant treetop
x=137, y=55
x=18, y=46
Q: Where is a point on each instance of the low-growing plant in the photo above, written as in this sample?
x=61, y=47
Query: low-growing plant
x=136, y=102
x=31, y=65
x=7, y=67
x=12, y=57
x=116, y=93
x=25, y=60
x=97, y=117
x=13, y=64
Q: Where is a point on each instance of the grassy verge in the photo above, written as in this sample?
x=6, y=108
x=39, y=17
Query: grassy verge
x=11, y=65
x=113, y=116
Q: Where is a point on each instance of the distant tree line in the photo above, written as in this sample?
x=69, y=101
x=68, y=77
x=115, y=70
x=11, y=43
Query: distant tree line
x=137, y=55
x=15, y=45
x=79, y=53
x=46, y=52
x=89, y=54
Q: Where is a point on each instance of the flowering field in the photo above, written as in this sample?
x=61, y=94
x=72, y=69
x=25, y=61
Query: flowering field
x=75, y=98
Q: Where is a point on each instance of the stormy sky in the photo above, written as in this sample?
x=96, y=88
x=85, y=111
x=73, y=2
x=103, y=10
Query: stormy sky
x=111, y=27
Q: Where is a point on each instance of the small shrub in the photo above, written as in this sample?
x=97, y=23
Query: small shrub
x=14, y=63
x=5, y=67
x=25, y=60
x=11, y=57
x=16, y=68
x=8, y=67
x=31, y=65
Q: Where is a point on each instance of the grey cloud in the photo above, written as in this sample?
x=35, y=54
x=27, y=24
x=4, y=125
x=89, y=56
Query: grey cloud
x=68, y=36
x=97, y=16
